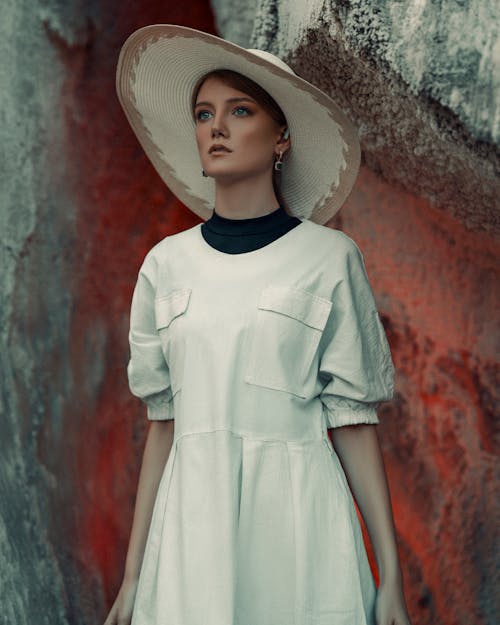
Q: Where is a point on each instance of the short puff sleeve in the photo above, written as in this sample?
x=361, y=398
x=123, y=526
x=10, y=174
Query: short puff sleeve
x=356, y=362
x=148, y=373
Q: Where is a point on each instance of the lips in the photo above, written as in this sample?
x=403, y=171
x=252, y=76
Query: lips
x=218, y=147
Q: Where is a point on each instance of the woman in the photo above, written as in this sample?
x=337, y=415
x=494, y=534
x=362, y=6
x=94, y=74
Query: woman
x=251, y=335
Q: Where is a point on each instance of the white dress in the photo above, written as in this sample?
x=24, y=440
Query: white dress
x=254, y=356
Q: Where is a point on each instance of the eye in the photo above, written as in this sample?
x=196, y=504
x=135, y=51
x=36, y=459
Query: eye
x=202, y=115
x=241, y=111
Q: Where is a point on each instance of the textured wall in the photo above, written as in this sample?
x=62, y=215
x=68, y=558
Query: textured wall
x=80, y=206
x=421, y=80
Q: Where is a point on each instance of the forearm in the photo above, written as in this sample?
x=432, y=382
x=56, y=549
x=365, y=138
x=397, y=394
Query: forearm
x=359, y=451
x=156, y=451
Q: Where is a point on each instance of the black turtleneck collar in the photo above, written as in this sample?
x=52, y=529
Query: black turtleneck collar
x=235, y=236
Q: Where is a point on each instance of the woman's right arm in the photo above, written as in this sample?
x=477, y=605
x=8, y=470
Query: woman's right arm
x=156, y=451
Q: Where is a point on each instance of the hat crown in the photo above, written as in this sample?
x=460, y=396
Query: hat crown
x=271, y=58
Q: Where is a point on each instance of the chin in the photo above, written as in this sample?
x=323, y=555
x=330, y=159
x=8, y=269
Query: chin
x=227, y=175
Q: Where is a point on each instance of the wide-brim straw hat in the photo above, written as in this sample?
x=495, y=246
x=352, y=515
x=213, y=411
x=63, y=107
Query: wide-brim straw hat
x=158, y=68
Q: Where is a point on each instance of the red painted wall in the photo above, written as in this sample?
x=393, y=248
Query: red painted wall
x=122, y=208
x=436, y=286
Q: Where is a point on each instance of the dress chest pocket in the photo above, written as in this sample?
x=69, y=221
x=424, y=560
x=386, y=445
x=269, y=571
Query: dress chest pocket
x=284, y=338
x=170, y=312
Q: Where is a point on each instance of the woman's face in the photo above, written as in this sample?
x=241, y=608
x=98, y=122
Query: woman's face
x=228, y=117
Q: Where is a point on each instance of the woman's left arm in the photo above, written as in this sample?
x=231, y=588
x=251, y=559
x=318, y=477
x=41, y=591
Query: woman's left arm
x=358, y=449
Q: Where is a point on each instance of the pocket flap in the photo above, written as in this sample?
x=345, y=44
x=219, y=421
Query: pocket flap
x=296, y=303
x=171, y=306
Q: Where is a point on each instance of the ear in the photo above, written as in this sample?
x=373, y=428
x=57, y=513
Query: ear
x=284, y=142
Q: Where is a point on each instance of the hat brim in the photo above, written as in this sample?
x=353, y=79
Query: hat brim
x=158, y=68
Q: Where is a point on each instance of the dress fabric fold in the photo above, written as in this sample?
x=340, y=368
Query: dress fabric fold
x=254, y=355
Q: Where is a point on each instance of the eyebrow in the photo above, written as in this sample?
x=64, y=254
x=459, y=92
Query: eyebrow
x=228, y=100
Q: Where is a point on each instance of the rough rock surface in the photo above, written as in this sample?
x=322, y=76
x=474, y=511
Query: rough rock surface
x=435, y=282
x=420, y=79
x=80, y=207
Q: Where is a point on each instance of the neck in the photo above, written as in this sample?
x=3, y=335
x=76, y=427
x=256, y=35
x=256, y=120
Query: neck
x=246, y=198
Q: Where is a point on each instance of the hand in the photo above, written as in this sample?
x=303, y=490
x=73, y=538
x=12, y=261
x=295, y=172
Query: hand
x=390, y=606
x=121, y=611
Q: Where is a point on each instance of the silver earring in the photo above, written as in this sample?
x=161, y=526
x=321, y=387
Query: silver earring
x=278, y=164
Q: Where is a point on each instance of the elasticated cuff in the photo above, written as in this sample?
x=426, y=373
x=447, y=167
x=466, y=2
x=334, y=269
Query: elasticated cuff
x=160, y=412
x=337, y=417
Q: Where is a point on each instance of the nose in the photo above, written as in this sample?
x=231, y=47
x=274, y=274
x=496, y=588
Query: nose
x=217, y=132
x=218, y=127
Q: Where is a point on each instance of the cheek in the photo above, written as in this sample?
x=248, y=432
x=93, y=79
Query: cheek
x=201, y=135
x=260, y=139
